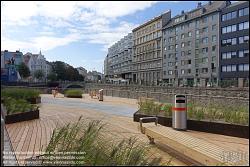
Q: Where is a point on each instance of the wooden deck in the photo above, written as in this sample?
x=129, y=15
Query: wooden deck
x=197, y=149
x=30, y=137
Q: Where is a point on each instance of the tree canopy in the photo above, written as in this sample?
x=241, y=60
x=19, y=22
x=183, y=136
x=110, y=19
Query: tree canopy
x=65, y=71
x=23, y=70
x=39, y=74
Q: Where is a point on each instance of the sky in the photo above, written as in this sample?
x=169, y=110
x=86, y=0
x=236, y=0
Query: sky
x=78, y=33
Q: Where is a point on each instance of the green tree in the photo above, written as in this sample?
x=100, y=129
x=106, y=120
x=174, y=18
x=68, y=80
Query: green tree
x=59, y=68
x=23, y=70
x=66, y=72
x=52, y=76
x=38, y=74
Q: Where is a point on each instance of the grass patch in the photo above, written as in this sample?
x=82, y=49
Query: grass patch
x=94, y=148
x=208, y=112
x=14, y=106
x=20, y=93
x=73, y=93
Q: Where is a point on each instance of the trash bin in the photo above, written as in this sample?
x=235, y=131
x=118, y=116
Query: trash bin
x=101, y=95
x=179, y=112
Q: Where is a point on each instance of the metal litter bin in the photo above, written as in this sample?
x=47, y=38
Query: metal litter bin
x=179, y=112
x=101, y=95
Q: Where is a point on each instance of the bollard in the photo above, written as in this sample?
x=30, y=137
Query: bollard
x=179, y=112
x=101, y=95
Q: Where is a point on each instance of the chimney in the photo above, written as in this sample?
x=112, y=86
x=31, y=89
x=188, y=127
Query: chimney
x=199, y=5
x=228, y=3
x=210, y=2
x=182, y=12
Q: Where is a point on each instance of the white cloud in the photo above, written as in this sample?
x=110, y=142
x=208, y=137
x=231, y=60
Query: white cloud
x=42, y=42
x=88, y=20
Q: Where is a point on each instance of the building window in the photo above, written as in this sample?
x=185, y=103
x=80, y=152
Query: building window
x=244, y=53
x=243, y=12
x=204, y=70
x=214, y=27
x=243, y=67
x=205, y=29
x=244, y=39
x=170, y=72
x=213, y=48
x=205, y=40
x=244, y=25
x=189, y=34
x=214, y=38
x=183, y=44
x=197, y=32
x=229, y=16
x=182, y=71
x=189, y=52
x=183, y=62
x=205, y=50
x=213, y=58
x=228, y=42
x=182, y=53
x=170, y=39
x=228, y=55
x=228, y=68
x=182, y=36
x=204, y=60
x=176, y=46
x=164, y=72
x=214, y=16
x=204, y=20
x=228, y=29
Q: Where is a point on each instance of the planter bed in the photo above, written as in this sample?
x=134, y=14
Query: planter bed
x=36, y=100
x=24, y=116
x=241, y=131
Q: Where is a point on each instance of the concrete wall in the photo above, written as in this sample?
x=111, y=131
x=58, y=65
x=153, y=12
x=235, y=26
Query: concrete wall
x=200, y=96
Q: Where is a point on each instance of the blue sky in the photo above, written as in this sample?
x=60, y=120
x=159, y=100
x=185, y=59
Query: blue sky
x=78, y=33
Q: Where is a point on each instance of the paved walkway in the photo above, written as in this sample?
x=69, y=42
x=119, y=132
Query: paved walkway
x=116, y=108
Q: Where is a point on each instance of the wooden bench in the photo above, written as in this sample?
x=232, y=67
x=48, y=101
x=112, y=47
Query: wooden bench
x=199, y=150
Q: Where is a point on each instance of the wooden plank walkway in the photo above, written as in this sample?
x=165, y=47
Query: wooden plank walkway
x=30, y=137
x=197, y=149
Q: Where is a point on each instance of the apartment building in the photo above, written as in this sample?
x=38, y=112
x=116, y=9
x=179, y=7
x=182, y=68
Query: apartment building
x=37, y=62
x=147, y=51
x=190, y=46
x=234, y=45
x=117, y=63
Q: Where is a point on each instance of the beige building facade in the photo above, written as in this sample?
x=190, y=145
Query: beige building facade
x=147, y=51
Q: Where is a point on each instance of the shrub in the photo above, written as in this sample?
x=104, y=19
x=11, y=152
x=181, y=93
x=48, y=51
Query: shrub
x=167, y=108
x=20, y=93
x=211, y=111
x=98, y=150
x=17, y=105
x=73, y=93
